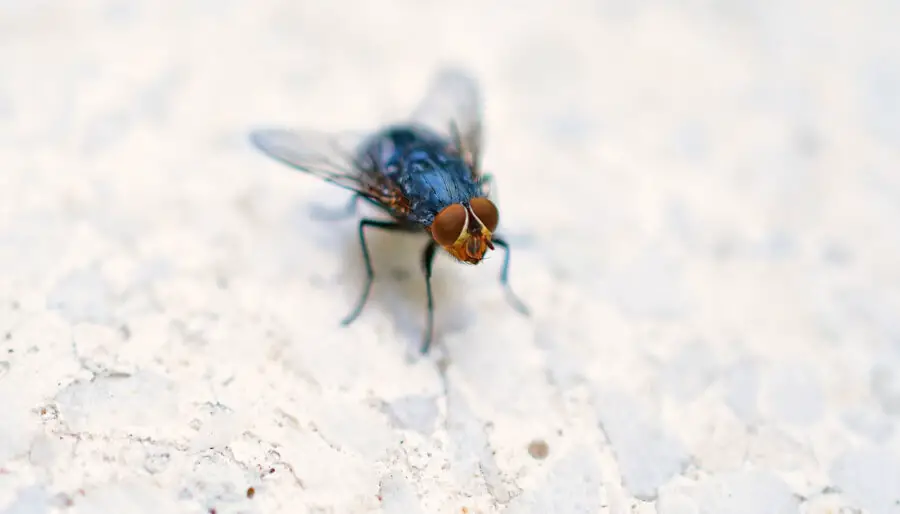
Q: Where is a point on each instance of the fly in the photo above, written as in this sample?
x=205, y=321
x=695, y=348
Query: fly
x=424, y=172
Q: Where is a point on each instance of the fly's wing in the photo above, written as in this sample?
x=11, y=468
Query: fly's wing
x=452, y=106
x=334, y=158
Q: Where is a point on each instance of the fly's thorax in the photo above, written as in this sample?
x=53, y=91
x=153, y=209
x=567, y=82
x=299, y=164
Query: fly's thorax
x=426, y=173
x=465, y=230
x=432, y=186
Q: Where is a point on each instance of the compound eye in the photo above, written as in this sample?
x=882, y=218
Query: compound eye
x=449, y=224
x=486, y=211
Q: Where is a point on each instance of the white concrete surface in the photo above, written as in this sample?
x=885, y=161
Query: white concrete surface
x=704, y=198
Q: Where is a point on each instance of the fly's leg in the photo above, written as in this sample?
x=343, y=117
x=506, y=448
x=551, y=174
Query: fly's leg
x=504, y=279
x=370, y=275
x=487, y=184
x=325, y=214
x=427, y=262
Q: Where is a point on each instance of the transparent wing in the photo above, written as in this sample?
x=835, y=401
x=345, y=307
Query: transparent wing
x=452, y=106
x=332, y=157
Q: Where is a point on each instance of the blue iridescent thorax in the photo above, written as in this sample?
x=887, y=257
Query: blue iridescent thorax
x=417, y=160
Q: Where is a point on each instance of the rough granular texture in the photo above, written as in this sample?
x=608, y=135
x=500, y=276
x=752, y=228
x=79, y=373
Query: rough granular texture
x=703, y=200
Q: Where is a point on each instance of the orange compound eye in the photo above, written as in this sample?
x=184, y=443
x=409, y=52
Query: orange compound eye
x=486, y=211
x=449, y=224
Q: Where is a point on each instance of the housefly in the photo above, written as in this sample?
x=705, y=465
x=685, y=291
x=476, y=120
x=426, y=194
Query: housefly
x=424, y=172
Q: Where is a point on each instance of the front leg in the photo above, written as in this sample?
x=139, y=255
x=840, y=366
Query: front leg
x=504, y=279
x=370, y=275
x=427, y=263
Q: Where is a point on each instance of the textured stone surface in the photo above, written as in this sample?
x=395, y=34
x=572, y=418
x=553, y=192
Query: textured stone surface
x=703, y=199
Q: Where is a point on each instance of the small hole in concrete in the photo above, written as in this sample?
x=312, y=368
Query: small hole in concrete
x=538, y=449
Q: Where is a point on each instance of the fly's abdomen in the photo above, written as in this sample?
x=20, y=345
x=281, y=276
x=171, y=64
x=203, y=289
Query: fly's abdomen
x=391, y=147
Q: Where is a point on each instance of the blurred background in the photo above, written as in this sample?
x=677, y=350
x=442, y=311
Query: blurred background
x=703, y=199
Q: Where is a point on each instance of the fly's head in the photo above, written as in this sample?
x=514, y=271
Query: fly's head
x=466, y=231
